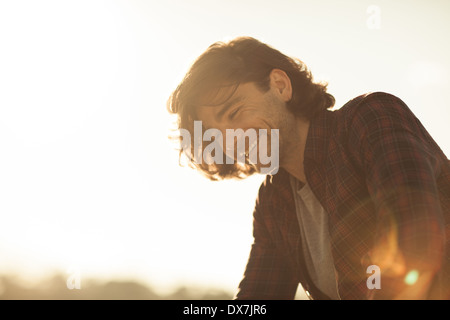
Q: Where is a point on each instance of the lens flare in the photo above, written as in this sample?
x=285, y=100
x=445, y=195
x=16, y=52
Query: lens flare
x=412, y=277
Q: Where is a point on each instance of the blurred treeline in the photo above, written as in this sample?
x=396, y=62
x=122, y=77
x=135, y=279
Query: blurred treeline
x=55, y=288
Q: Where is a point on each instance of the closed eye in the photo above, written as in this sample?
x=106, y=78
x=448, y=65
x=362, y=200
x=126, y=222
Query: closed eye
x=234, y=113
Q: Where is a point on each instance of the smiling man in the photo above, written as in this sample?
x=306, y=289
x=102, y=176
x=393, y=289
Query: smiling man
x=364, y=187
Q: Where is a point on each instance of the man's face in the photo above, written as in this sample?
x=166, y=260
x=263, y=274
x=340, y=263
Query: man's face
x=247, y=108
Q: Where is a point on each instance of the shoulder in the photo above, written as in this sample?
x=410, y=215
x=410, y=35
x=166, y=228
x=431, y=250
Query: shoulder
x=374, y=113
x=374, y=106
x=377, y=117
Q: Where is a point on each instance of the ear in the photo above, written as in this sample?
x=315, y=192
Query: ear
x=281, y=84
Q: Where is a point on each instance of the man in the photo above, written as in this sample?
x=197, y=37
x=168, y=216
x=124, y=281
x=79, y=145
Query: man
x=360, y=206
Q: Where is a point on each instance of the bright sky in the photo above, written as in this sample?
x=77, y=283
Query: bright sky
x=88, y=178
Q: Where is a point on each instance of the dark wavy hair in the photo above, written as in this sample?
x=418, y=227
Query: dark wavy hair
x=227, y=65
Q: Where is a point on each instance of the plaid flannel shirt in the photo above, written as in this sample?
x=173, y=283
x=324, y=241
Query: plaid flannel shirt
x=385, y=184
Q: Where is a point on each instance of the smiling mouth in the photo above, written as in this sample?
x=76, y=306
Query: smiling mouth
x=253, y=146
x=250, y=149
x=243, y=154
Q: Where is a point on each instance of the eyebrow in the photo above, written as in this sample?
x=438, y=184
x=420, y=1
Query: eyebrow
x=227, y=106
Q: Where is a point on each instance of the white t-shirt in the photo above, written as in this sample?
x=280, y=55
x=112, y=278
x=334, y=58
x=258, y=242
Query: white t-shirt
x=313, y=221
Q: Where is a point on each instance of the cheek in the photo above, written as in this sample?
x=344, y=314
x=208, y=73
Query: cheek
x=250, y=118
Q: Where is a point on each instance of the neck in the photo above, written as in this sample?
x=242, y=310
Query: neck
x=294, y=149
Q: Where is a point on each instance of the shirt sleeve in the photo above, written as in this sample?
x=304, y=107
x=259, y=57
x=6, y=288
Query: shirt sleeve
x=269, y=274
x=401, y=167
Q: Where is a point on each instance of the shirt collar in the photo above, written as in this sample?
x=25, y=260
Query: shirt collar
x=319, y=134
